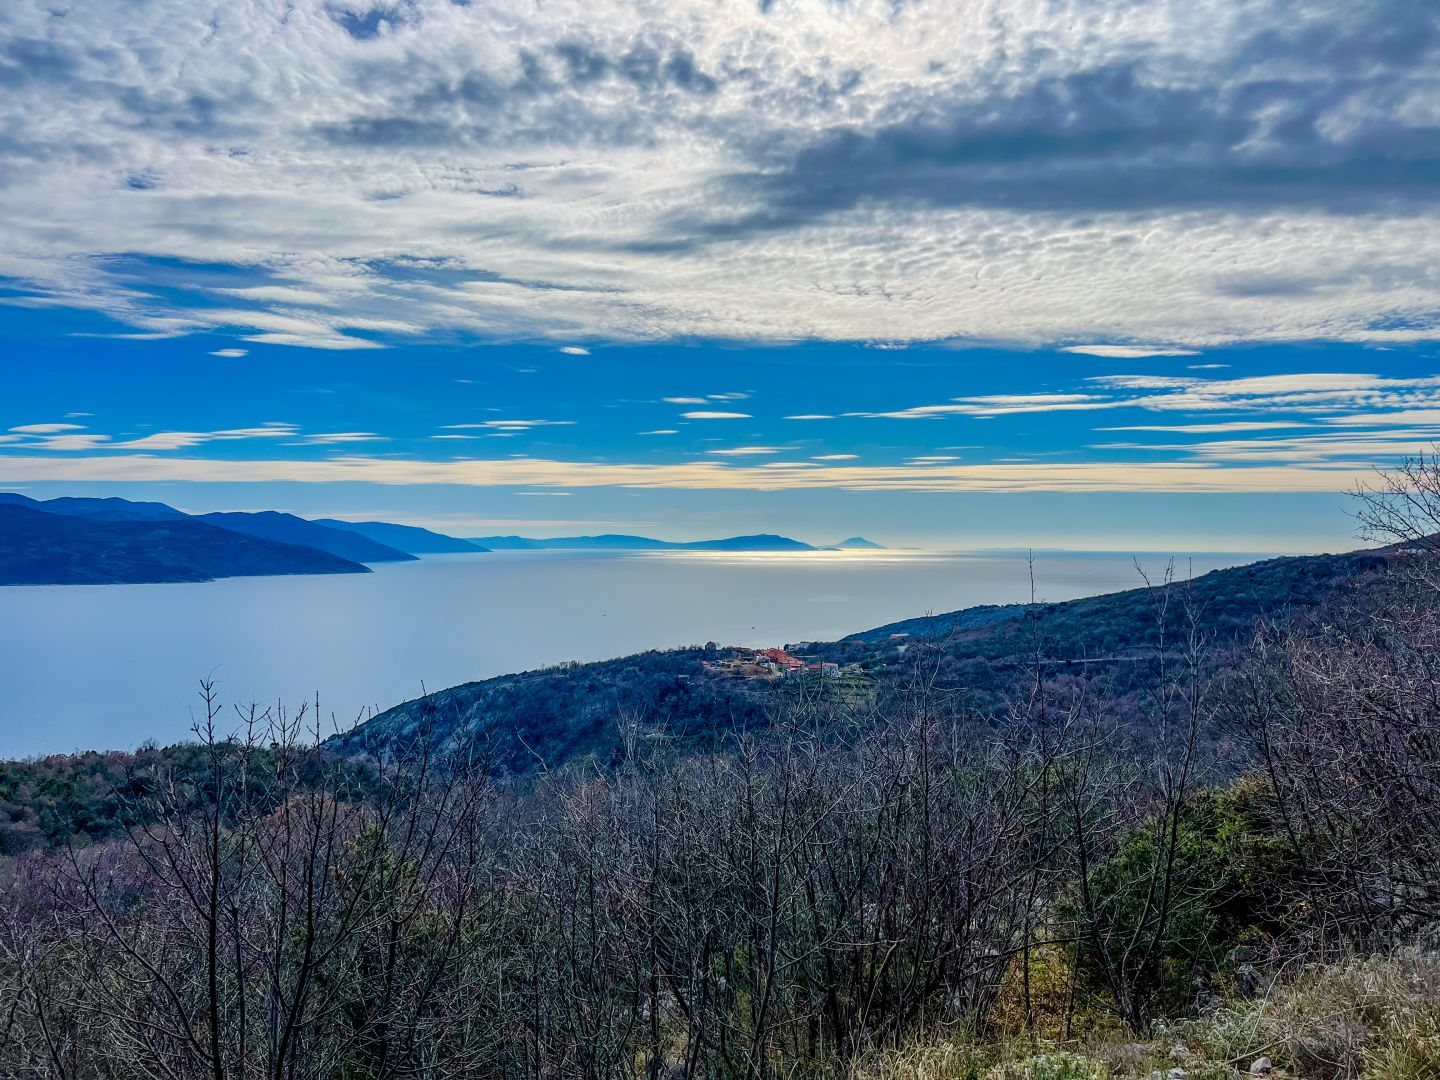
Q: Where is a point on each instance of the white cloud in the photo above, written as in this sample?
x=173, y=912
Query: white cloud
x=1124, y=352
x=335, y=438
x=811, y=416
x=1000, y=405
x=661, y=431
x=747, y=451
x=45, y=429
x=1404, y=417
x=507, y=425
x=67, y=438
x=1303, y=392
x=231, y=354
x=685, y=400
x=575, y=350
x=1349, y=450
x=1279, y=473
x=716, y=416
x=1212, y=429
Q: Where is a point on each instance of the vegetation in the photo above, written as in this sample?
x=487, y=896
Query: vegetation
x=1226, y=863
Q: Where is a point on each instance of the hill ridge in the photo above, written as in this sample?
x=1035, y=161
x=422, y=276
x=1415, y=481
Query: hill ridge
x=571, y=710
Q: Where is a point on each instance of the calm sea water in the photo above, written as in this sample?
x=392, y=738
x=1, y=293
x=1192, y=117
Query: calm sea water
x=110, y=666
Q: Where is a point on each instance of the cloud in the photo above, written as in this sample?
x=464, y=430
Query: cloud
x=1301, y=392
x=574, y=350
x=1012, y=172
x=836, y=457
x=747, y=451
x=1212, y=429
x=716, y=416
x=1122, y=352
x=231, y=354
x=336, y=438
x=661, y=431
x=45, y=429
x=1404, y=417
x=811, y=416
x=1281, y=474
x=1349, y=449
x=67, y=438
x=507, y=425
x=1000, y=405
x=685, y=400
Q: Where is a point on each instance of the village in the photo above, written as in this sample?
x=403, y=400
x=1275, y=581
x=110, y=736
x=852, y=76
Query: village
x=771, y=665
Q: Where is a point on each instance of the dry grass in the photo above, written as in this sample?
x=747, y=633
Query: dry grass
x=1375, y=1019
x=1366, y=1018
x=961, y=1059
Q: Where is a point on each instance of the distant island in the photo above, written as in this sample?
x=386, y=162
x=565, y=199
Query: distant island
x=114, y=541
x=624, y=542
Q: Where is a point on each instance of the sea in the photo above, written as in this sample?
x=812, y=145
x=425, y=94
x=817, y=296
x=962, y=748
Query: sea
x=115, y=666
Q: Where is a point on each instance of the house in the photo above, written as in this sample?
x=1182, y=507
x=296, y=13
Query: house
x=781, y=657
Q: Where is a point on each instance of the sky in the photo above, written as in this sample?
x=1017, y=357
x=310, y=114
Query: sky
x=1152, y=276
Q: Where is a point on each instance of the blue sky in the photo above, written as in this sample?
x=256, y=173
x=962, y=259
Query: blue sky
x=1071, y=273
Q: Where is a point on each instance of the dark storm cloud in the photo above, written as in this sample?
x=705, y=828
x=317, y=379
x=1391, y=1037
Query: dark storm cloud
x=1312, y=118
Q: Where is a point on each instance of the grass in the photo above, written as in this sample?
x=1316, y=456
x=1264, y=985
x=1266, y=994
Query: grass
x=1370, y=1019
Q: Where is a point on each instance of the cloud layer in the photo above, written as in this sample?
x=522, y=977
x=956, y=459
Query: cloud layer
x=1129, y=179
x=920, y=476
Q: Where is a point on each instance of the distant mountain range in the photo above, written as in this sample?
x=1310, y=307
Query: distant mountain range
x=623, y=542
x=71, y=540
x=42, y=548
x=289, y=529
x=409, y=538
